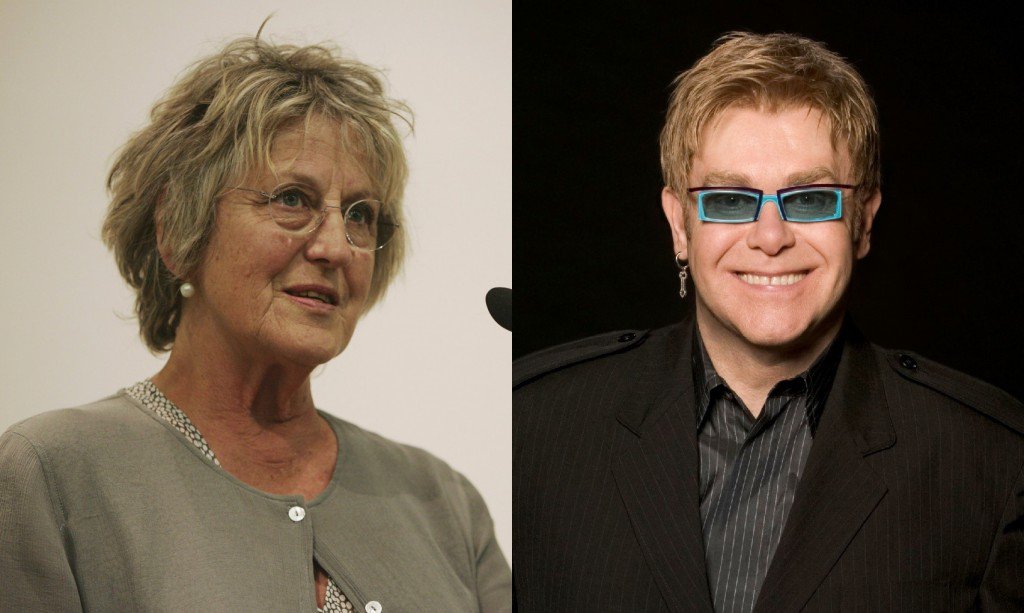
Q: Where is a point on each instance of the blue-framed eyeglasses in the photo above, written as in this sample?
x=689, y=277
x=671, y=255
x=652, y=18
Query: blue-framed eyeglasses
x=801, y=203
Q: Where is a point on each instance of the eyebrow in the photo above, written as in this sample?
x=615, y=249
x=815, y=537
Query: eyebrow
x=293, y=176
x=360, y=195
x=716, y=179
x=734, y=179
x=814, y=175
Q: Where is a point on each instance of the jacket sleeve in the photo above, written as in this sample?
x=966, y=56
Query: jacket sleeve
x=493, y=577
x=36, y=574
x=1002, y=588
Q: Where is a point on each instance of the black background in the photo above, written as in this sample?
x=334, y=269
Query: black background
x=592, y=251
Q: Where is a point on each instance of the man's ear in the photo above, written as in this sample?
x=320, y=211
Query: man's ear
x=867, y=219
x=675, y=213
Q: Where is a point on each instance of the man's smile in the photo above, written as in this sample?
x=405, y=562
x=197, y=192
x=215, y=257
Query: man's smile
x=771, y=280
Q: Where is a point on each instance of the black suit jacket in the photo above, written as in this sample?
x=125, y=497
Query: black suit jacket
x=912, y=498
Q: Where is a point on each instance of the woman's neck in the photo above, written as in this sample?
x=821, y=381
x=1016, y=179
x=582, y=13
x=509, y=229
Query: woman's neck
x=258, y=417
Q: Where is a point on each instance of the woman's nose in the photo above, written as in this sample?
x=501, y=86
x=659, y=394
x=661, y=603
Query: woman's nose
x=329, y=242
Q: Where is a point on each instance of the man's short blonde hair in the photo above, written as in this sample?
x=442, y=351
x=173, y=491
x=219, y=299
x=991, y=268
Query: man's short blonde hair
x=217, y=124
x=771, y=72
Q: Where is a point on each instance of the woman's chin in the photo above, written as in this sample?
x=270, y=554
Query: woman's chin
x=307, y=352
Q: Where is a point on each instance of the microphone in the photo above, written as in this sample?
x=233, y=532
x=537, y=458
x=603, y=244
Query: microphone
x=499, y=305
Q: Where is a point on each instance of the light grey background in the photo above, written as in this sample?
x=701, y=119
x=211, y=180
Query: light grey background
x=427, y=366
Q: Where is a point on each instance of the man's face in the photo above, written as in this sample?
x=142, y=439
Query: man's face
x=770, y=283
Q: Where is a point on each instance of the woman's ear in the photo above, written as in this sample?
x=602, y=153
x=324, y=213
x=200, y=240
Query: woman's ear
x=163, y=246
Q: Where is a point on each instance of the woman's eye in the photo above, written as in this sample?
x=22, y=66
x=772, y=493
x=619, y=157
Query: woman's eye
x=360, y=213
x=291, y=198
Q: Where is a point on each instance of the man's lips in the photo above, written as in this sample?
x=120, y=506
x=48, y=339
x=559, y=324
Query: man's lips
x=772, y=279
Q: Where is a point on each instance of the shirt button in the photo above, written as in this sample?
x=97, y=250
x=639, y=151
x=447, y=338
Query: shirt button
x=296, y=513
x=907, y=362
x=373, y=607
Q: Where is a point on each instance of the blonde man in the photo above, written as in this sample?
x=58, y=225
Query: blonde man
x=763, y=455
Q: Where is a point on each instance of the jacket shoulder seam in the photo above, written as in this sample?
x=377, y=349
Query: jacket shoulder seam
x=969, y=391
x=540, y=363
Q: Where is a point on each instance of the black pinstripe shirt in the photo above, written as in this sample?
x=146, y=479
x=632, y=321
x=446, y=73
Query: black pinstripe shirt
x=749, y=470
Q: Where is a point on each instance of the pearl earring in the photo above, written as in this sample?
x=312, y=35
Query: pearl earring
x=187, y=289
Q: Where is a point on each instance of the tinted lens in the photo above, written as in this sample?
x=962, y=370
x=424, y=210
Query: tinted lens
x=812, y=204
x=728, y=206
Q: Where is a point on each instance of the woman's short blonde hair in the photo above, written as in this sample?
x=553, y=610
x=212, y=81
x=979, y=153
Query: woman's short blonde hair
x=218, y=123
x=771, y=72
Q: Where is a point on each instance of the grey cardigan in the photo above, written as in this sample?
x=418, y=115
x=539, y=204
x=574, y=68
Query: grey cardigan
x=108, y=508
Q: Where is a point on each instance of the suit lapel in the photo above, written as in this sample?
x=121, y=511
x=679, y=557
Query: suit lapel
x=838, y=490
x=656, y=472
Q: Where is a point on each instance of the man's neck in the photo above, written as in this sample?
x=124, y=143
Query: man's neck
x=753, y=370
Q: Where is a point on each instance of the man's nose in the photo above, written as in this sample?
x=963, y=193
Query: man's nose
x=770, y=233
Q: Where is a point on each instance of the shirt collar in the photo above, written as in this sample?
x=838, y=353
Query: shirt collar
x=816, y=381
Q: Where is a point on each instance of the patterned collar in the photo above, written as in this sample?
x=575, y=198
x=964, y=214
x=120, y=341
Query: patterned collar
x=153, y=399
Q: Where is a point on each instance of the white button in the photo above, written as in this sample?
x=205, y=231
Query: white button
x=373, y=607
x=296, y=513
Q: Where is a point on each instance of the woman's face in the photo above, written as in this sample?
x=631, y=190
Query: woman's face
x=254, y=283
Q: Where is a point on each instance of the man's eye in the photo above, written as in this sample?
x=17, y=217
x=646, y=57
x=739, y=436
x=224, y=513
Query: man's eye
x=813, y=198
x=728, y=200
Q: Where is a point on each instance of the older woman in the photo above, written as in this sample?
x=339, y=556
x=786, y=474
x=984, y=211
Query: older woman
x=257, y=216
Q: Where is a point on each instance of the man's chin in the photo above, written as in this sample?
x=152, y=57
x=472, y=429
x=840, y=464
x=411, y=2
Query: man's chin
x=773, y=339
x=786, y=336
x=778, y=330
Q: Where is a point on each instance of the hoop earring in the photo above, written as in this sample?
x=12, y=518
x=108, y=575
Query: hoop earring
x=187, y=289
x=684, y=273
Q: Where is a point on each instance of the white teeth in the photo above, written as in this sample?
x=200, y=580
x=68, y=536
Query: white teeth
x=316, y=295
x=777, y=280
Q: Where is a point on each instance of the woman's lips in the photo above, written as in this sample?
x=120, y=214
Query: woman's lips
x=315, y=298
x=312, y=304
x=321, y=296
